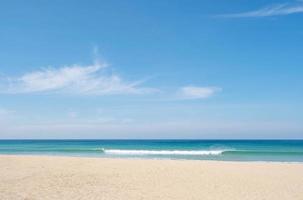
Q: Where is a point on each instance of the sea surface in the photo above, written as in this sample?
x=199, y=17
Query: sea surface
x=231, y=150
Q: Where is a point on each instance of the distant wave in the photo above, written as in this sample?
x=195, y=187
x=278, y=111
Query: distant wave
x=162, y=152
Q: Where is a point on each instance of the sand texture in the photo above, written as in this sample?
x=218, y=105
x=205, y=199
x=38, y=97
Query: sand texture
x=42, y=177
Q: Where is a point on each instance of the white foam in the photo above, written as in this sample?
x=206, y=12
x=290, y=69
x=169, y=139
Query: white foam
x=162, y=152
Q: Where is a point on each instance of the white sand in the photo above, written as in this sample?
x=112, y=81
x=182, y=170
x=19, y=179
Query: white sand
x=42, y=177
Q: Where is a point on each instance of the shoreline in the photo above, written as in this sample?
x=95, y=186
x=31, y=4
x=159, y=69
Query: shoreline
x=56, y=177
x=153, y=158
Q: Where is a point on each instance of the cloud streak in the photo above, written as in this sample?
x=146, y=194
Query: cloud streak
x=272, y=10
x=74, y=79
x=194, y=92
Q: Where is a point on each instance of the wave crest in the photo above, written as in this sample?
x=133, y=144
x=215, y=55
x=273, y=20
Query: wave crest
x=162, y=152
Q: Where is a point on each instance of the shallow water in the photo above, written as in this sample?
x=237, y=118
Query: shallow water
x=233, y=150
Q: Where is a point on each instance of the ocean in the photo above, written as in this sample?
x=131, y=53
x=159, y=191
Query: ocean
x=229, y=150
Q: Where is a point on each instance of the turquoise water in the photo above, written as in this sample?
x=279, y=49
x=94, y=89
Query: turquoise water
x=233, y=150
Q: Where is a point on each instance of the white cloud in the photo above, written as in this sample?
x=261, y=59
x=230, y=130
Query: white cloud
x=273, y=10
x=74, y=79
x=193, y=92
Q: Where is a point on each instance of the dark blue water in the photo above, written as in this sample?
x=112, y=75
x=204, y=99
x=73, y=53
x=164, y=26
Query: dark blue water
x=233, y=150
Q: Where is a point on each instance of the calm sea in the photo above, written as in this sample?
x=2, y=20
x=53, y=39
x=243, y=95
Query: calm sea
x=233, y=150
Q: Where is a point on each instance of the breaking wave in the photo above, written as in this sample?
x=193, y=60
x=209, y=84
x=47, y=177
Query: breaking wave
x=162, y=152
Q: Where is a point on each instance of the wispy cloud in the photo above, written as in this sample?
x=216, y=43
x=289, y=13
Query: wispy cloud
x=272, y=10
x=194, y=92
x=73, y=79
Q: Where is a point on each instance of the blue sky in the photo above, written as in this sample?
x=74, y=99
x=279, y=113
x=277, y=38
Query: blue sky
x=151, y=69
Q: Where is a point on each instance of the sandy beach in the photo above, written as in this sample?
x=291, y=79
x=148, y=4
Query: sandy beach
x=42, y=177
